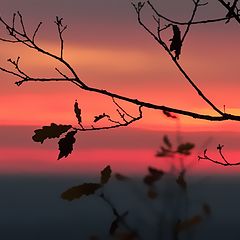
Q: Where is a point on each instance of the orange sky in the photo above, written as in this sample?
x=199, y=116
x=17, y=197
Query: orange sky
x=111, y=51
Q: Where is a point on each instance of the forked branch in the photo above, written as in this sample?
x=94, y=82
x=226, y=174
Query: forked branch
x=20, y=35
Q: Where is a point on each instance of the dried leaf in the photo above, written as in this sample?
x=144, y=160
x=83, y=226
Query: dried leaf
x=176, y=43
x=167, y=141
x=52, y=131
x=188, y=223
x=99, y=117
x=164, y=152
x=185, y=148
x=78, y=191
x=153, y=176
x=106, y=174
x=181, y=180
x=65, y=145
x=169, y=114
x=77, y=111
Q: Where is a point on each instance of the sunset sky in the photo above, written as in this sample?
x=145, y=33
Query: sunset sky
x=108, y=49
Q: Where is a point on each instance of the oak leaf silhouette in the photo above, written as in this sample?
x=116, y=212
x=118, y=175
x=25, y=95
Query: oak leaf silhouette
x=100, y=117
x=106, y=174
x=79, y=191
x=77, y=111
x=176, y=42
x=52, y=131
x=153, y=176
x=65, y=145
x=185, y=148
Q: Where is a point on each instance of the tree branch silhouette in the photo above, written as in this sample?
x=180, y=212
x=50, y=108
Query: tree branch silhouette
x=224, y=161
x=20, y=35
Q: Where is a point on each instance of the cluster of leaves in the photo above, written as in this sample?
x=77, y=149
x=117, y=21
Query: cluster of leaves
x=151, y=179
x=167, y=149
x=65, y=144
x=77, y=192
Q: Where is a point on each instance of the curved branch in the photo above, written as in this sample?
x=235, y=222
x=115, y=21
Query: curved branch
x=77, y=81
x=163, y=44
x=215, y=20
x=224, y=161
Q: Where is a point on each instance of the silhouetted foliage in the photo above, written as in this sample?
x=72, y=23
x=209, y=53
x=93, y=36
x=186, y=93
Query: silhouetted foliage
x=153, y=176
x=181, y=180
x=52, y=131
x=77, y=111
x=99, y=117
x=176, y=42
x=167, y=149
x=16, y=31
x=106, y=174
x=185, y=148
x=65, y=145
x=120, y=228
x=78, y=191
x=169, y=114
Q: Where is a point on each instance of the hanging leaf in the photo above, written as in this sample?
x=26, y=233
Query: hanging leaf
x=106, y=174
x=77, y=111
x=65, y=145
x=169, y=114
x=167, y=141
x=181, y=180
x=100, y=117
x=52, y=131
x=185, y=148
x=176, y=43
x=79, y=191
x=153, y=176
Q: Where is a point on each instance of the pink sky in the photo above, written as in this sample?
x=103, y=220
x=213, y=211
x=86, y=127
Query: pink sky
x=109, y=50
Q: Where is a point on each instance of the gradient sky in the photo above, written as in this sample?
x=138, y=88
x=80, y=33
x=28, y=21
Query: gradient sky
x=109, y=50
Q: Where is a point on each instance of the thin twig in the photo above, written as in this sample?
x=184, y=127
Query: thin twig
x=224, y=163
x=186, y=23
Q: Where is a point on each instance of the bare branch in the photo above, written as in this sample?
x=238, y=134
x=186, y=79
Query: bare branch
x=231, y=10
x=186, y=23
x=114, y=101
x=62, y=74
x=35, y=33
x=61, y=29
x=163, y=44
x=223, y=163
x=196, y=5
